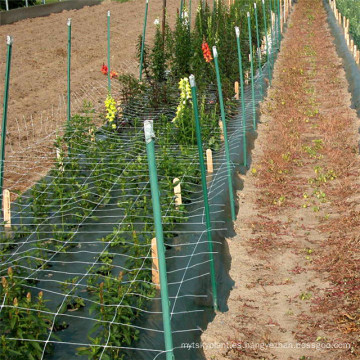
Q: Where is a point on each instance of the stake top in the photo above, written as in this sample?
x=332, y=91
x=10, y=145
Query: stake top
x=108, y=13
x=263, y=1
x=68, y=22
x=237, y=31
x=248, y=14
x=147, y=1
x=149, y=131
x=9, y=40
x=192, y=80
x=254, y=5
x=215, y=53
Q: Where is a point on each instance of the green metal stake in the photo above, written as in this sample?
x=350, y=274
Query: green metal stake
x=267, y=41
x=189, y=15
x=9, y=42
x=273, y=3
x=252, y=72
x=108, y=51
x=68, y=72
x=204, y=188
x=258, y=49
x=237, y=32
x=143, y=40
x=181, y=8
x=272, y=39
x=279, y=21
x=223, y=119
x=155, y=198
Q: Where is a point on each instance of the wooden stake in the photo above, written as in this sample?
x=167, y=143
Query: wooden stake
x=247, y=77
x=358, y=57
x=282, y=15
x=177, y=192
x=209, y=161
x=237, y=90
x=7, y=211
x=92, y=134
x=58, y=156
x=221, y=130
x=155, y=264
x=352, y=46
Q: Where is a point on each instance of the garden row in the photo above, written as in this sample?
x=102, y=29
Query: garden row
x=81, y=238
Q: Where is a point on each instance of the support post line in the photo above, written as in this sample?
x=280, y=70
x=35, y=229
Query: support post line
x=143, y=40
x=155, y=199
x=258, y=50
x=227, y=152
x=69, y=73
x=267, y=41
x=237, y=33
x=9, y=42
x=108, y=51
x=252, y=72
x=204, y=189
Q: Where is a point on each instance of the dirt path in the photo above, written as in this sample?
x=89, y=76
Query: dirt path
x=295, y=260
x=37, y=104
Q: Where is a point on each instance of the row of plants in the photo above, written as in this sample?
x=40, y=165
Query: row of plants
x=89, y=174
x=177, y=53
x=351, y=10
x=99, y=167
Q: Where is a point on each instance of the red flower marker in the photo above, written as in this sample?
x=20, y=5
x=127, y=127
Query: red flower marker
x=104, y=69
x=206, y=52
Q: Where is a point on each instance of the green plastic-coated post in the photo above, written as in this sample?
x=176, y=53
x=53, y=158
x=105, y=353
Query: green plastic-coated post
x=279, y=22
x=68, y=72
x=9, y=42
x=258, y=49
x=155, y=198
x=267, y=40
x=272, y=39
x=252, y=72
x=181, y=8
x=190, y=14
x=108, y=51
x=273, y=4
x=204, y=188
x=143, y=40
x=226, y=143
x=237, y=33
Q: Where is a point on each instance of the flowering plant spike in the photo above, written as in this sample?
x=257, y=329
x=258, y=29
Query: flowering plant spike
x=206, y=52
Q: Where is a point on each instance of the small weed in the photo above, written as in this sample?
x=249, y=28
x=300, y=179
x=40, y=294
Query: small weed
x=305, y=296
x=280, y=201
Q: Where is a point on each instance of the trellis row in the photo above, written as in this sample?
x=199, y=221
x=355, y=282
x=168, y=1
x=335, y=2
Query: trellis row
x=345, y=24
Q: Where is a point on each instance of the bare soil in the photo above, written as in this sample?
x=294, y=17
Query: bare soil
x=295, y=259
x=37, y=105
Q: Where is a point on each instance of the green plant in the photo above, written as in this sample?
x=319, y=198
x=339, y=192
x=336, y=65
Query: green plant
x=21, y=318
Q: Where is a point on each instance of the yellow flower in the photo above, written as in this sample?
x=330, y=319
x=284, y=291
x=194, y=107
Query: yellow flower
x=110, y=105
